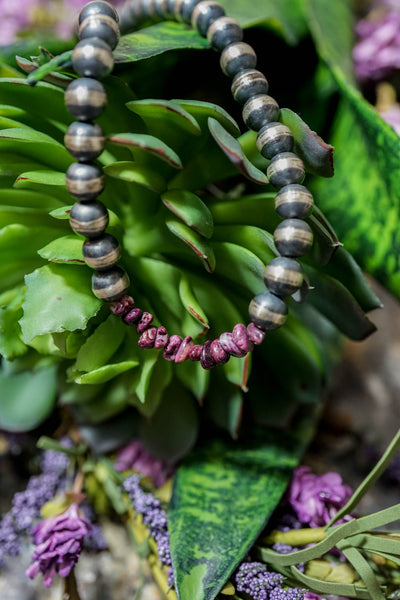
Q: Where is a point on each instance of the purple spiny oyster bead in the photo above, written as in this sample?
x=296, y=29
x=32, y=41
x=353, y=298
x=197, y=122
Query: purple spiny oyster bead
x=206, y=359
x=144, y=321
x=161, y=338
x=241, y=339
x=184, y=349
x=229, y=345
x=133, y=316
x=255, y=334
x=218, y=353
x=154, y=517
x=147, y=338
x=195, y=352
x=59, y=542
x=172, y=347
x=122, y=306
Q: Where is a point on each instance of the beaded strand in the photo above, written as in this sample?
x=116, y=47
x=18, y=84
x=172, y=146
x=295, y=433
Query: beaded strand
x=86, y=98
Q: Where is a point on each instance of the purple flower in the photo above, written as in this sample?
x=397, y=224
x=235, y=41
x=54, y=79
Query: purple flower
x=317, y=498
x=392, y=116
x=377, y=52
x=311, y=596
x=58, y=541
x=133, y=456
x=254, y=579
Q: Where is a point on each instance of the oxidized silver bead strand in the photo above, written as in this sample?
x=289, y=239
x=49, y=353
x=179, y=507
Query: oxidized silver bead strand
x=85, y=98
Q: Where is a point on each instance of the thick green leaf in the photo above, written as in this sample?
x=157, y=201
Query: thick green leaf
x=233, y=150
x=107, y=372
x=58, y=298
x=191, y=303
x=241, y=266
x=131, y=171
x=101, y=345
x=191, y=209
x=37, y=145
x=207, y=540
x=200, y=247
x=157, y=39
x=45, y=177
x=163, y=117
x=11, y=344
x=66, y=249
x=17, y=92
x=148, y=143
x=202, y=111
x=26, y=399
x=148, y=384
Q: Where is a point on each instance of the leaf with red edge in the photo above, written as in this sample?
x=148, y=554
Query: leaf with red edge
x=316, y=154
x=233, y=150
x=198, y=244
x=148, y=143
x=190, y=209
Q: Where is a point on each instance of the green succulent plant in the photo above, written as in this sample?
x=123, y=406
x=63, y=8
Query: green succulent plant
x=195, y=240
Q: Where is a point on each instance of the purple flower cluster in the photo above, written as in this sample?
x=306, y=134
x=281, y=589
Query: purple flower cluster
x=135, y=457
x=26, y=505
x=254, y=579
x=377, y=52
x=154, y=517
x=59, y=542
x=317, y=498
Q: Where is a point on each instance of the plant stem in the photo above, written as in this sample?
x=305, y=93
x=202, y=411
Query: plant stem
x=296, y=537
x=70, y=587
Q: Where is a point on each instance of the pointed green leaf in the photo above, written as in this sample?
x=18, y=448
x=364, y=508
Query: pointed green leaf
x=134, y=173
x=58, y=298
x=61, y=61
x=190, y=209
x=159, y=113
x=37, y=145
x=150, y=382
x=26, y=399
x=202, y=111
x=148, y=143
x=107, y=372
x=233, y=150
x=309, y=146
x=200, y=247
x=191, y=303
x=17, y=92
x=11, y=344
x=101, y=345
x=157, y=39
x=207, y=540
x=45, y=177
x=241, y=266
x=195, y=378
x=66, y=249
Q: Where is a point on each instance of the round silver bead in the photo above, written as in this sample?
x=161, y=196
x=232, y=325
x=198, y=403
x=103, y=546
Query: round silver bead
x=224, y=31
x=237, y=57
x=85, y=181
x=293, y=202
x=101, y=253
x=274, y=138
x=247, y=84
x=92, y=58
x=85, y=98
x=100, y=26
x=85, y=141
x=98, y=7
x=184, y=9
x=284, y=169
x=260, y=110
x=110, y=285
x=204, y=14
x=89, y=220
x=283, y=276
x=293, y=238
x=267, y=311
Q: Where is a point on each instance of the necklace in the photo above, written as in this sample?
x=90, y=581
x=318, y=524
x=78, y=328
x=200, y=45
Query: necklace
x=85, y=98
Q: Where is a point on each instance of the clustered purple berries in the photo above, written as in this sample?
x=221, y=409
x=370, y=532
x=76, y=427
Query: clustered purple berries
x=26, y=505
x=211, y=353
x=254, y=579
x=154, y=517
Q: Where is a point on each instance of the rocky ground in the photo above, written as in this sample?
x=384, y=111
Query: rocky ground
x=362, y=415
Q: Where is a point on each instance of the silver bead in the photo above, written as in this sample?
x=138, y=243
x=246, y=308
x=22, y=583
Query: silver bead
x=92, y=58
x=100, y=26
x=85, y=181
x=237, y=57
x=110, y=285
x=267, y=311
x=285, y=168
x=183, y=10
x=98, y=7
x=260, y=110
x=204, y=14
x=283, y=276
x=224, y=31
x=247, y=84
x=293, y=238
x=89, y=220
x=293, y=202
x=85, y=98
x=101, y=253
x=273, y=139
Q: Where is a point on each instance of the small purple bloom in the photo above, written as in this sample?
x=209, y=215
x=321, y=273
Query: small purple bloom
x=317, y=498
x=59, y=542
x=135, y=457
x=254, y=579
x=311, y=596
x=392, y=116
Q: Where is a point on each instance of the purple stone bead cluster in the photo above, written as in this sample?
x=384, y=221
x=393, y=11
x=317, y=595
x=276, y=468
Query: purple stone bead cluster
x=154, y=517
x=211, y=353
x=85, y=98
